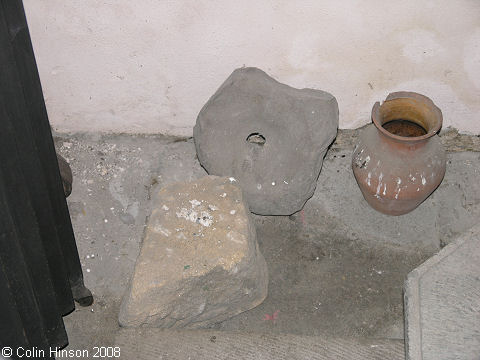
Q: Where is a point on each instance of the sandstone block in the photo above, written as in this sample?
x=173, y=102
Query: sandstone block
x=199, y=263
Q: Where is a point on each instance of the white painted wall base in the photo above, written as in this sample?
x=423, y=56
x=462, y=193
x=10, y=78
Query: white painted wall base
x=148, y=66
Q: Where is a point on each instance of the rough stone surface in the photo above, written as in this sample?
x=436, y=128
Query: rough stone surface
x=153, y=344
x=451, y=140
x=340, y=294
x=199, y=263
x=269, y=136
x=442, y=302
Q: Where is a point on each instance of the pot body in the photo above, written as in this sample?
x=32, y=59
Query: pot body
x=397, y=174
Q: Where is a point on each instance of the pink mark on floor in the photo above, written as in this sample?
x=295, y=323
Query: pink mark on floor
x=302, y=217
x=272, y=317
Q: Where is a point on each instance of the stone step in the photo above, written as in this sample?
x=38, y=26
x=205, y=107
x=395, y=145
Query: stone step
x=442, y=303
x=154, y=343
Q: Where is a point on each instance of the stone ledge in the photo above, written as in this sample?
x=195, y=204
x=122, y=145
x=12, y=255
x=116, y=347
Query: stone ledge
x=451, y=139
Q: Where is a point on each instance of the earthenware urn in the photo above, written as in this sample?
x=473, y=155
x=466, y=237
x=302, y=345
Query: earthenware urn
x=399, y=160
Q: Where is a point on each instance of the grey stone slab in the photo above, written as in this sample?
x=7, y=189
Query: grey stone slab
x=153, y=344
x=116, y=174
x=442, y=303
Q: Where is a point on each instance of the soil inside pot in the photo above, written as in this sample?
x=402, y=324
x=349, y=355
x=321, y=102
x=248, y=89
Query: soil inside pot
x=404, y=128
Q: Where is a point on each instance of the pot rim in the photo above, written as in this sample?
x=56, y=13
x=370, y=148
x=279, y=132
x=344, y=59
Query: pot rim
x=376, y=116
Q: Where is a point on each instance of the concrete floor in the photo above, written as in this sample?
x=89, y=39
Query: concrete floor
x=336, y=268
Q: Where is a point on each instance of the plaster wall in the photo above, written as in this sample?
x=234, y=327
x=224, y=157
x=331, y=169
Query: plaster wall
x=148, y=66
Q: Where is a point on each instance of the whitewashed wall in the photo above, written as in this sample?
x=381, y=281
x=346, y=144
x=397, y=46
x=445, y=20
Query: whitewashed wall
x=148, y=66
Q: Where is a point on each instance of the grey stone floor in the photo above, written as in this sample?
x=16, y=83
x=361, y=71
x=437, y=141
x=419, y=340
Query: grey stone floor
x=336, y=268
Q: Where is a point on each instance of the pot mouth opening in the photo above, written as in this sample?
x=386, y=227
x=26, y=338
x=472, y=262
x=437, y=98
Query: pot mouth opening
x=407, y=118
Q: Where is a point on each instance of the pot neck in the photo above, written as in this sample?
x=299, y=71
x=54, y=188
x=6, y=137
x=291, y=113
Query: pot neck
x=412, y=107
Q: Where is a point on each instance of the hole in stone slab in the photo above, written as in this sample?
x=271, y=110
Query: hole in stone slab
x=256, y=138
x=405, y=128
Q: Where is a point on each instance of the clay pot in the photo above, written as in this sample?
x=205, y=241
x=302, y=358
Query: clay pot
x=396, y=171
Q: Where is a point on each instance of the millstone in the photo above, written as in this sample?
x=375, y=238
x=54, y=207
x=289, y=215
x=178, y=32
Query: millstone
x=269, y=136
